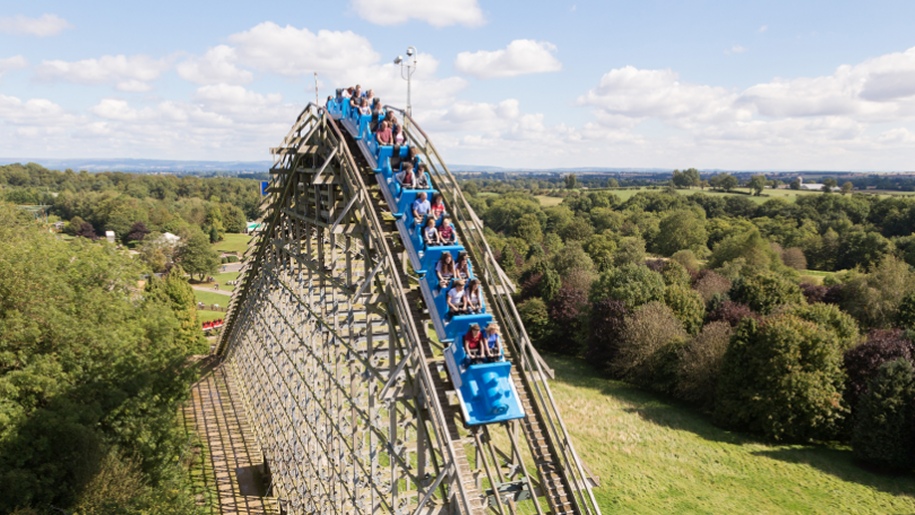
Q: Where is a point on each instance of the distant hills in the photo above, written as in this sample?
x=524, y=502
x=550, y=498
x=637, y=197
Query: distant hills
x=248, y=167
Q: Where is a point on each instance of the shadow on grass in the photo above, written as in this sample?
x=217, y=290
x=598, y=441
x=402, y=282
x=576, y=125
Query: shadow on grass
x=680, y=416
x=842, y=464
x=650, y=406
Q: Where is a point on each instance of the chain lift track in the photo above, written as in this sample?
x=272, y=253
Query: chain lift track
x=346, y=391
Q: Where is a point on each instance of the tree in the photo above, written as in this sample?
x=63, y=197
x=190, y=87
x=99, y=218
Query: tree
x=685, y=179
x=847, y=187
x=681, y=230
x=137, y=232
x=757, y=184
x=604, y=333
x=884, y=427
x=723, y=181
x=700, y=364
x=536, y=320
x=829, y=184
x=874, y=298
x=795, y=184
x=686, y=305
x=571, y=181
x=861, y=362
x=765, y=291
x=646, y=332
x=630, y=250
x=196, y=255
x=634, y=285
x=782, y=378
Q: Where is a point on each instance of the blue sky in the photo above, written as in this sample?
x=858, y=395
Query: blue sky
x=708, y=84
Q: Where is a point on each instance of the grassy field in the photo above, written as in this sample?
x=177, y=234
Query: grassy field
x=652, y=456
x=232, y=242
x=207, y=316
x=208, y=297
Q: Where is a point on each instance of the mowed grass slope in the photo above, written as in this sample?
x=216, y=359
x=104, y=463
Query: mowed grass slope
x=656, y=457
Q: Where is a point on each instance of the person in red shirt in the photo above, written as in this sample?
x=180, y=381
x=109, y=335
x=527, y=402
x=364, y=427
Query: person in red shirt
x=438, y=206
x=473, y=344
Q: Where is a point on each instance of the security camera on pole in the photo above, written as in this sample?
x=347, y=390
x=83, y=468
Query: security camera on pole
x=406, y=72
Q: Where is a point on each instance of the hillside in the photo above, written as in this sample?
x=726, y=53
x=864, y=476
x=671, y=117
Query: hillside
x=653, y=456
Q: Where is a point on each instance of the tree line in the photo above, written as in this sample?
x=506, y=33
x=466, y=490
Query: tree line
x=700, y=297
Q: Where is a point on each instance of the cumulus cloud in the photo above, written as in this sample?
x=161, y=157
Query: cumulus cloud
x=295, y=52
x=217, y=65
x=12, y=63
x=126, y=73
x=43, y=26
x=437, y=14
x=635, y=93
x=520, y=57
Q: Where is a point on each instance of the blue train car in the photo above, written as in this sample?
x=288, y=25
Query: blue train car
x=486, y=391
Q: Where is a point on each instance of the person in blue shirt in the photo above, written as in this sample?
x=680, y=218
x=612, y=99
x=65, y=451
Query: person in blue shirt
x=493, y=343
x=421, y=207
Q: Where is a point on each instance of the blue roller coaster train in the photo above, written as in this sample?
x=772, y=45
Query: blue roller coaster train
x=484, y=386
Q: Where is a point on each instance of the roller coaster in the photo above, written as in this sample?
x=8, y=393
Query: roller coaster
x=370, y=377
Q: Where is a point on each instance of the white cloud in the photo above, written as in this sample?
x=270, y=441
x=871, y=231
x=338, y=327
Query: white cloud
x=43, y=26
x=296, y=52
x=762, y=29
x=736, y=49
x=12, y=63
x=635, y=93
x=522, y=56
x=216, y=66
x=437, y=14
x=126, y=73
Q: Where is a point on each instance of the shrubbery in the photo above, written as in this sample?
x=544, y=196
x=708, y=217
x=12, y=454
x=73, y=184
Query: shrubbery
x=782, y=378
x=884, y=428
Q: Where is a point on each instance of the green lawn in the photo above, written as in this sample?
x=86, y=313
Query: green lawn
x=207, y=316
x=213, y=297
x=547, y=201
x=233, y=242
x=652, y=456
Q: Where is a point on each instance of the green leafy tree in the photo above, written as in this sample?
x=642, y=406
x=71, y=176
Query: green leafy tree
x=874, y=298
x=829, y=184
x=884, y=427
x=847, y=187
x=700, y=364
x=634, y=285
x=757, y=184
x=681, y=230
x=687, y=306
x=196, y=256
x=630, y=250
x=723, y=181
x=648, y=336
x=782, y=378
x=765, y=291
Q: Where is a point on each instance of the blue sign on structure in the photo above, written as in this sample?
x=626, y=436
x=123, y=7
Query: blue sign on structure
x=264, y=186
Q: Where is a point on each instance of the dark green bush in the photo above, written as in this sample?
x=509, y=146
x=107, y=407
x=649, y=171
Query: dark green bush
x=884, y=429
x=782, y=378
